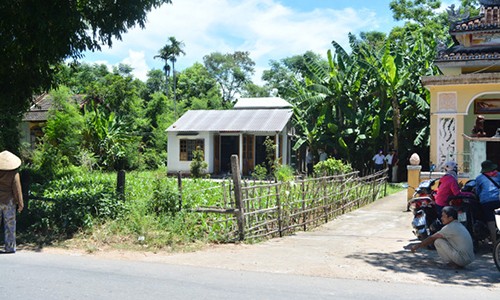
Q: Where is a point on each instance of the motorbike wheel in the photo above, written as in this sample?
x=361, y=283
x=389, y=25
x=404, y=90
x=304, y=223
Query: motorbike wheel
x=496, y=254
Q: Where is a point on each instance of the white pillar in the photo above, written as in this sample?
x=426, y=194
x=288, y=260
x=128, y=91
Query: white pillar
x=240, y=153
x=478, y=155
x=284, y=135
x=277, y=150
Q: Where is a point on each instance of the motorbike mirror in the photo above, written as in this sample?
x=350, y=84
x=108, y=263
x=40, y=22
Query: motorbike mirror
x=432, y=167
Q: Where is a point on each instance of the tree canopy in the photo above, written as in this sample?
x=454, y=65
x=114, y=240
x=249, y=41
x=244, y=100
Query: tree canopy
x=232, y=71
x=38, y=35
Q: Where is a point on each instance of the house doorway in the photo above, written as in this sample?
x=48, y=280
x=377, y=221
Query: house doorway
x=492, y=148
x=229, y=145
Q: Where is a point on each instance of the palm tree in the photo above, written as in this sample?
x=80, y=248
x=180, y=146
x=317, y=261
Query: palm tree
x=169, y=53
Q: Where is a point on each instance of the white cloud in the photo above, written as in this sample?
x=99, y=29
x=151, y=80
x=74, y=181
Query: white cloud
x=138, y=62
x=265, y=28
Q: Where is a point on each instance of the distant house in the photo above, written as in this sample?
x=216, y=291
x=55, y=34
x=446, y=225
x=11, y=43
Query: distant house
x=35, y=119
x=222, y=133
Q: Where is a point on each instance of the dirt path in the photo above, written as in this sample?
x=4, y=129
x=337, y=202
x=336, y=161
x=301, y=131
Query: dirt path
x=365, y=244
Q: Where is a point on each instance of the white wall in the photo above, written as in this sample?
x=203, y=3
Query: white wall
x=174, y=164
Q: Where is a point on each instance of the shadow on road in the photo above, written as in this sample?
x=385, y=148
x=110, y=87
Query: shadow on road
x=480, y=273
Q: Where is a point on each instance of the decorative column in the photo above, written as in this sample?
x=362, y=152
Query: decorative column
x=413, y=175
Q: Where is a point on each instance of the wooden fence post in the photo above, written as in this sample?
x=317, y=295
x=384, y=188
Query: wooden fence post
x=240, y=210
x=325, y=198
x=120, y=184
x=304, y=215
x=280, y=210
x=179, y=188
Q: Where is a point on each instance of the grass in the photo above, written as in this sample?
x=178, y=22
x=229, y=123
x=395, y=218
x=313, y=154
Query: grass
x=147, y=223
x=392, y=188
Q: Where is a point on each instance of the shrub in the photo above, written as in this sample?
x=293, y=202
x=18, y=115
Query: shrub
x=332, y=166
x=260, y=172
x=198, y=166
x=151, y=159
x=165, y=198
x=72, y=202
x=284, y=173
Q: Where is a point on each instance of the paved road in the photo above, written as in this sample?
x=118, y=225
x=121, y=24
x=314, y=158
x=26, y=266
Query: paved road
x=359, y=255
x=30, y=275
x=365, y=244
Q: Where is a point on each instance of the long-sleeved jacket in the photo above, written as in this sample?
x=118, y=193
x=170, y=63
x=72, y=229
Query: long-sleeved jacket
x=448, y=186
x=485, y=189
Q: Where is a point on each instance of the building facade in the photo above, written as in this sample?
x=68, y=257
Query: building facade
x=467, y=90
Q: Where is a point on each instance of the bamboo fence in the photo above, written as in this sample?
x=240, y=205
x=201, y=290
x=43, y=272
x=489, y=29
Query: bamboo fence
x=253, y=210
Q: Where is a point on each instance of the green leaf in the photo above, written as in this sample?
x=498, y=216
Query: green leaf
x=332, y=127
x=342, y=143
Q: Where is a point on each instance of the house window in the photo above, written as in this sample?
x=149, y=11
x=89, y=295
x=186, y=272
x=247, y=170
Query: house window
x=188, y=146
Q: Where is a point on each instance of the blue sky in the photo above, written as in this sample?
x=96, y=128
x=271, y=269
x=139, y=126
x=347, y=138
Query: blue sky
x=268, y=29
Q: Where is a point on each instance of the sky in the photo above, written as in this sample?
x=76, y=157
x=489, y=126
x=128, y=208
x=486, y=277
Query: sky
x=267, y=29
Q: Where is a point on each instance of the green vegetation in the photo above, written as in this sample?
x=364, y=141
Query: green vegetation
x=84, y=206
x=198, y=166
x=105, y=120
x=331, y=167
x=81, y=209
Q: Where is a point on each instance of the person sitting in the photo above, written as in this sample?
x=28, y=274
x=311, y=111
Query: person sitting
x=478, y=130
x=448, y=186
x=453, y=242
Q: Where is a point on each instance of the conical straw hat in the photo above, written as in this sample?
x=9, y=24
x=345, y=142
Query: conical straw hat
x=9, y=161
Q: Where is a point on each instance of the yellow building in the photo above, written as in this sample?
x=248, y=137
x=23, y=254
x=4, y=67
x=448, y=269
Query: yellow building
x=468, y=88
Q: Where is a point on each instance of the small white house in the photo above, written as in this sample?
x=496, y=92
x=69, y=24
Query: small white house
x=222, y=133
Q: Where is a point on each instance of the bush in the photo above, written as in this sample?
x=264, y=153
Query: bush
x=72, y=202
x=284, y=173
x=198, y=166
x=260, y=172
x=331, y=167
x=165, y=199
x=151, y=159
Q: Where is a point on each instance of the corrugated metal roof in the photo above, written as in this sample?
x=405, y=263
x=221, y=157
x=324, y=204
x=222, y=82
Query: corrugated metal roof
x=262, y=102
x=39, y=110
x=260, y=120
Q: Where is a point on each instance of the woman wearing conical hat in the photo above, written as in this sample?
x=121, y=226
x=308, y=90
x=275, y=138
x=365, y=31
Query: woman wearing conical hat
x=10, y=196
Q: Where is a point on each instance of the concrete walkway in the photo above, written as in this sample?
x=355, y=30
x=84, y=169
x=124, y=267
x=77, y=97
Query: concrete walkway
x=367, y=244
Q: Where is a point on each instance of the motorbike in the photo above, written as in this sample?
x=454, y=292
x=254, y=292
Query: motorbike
x=469, y=212
x=425, y=218
x=496, y=247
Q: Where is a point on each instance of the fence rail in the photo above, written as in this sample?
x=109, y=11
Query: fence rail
x=256, y=210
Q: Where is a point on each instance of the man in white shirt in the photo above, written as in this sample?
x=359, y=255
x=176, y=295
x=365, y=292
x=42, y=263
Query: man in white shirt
x=322, y=155
x=378, y=160
x=391, y=162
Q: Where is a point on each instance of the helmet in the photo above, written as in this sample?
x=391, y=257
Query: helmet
x=450, y=166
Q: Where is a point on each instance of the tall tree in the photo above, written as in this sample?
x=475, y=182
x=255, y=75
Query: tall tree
x=154, y=84
x=169, y=53
x=429, y=17
x=196, y=85
x=37, y=35
x=232, y=71
x=284, y=76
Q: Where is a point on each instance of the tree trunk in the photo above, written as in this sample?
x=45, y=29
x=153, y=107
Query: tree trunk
x=396, y=119
x=175, y=91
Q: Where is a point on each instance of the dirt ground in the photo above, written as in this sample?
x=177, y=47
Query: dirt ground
x=367, y=244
